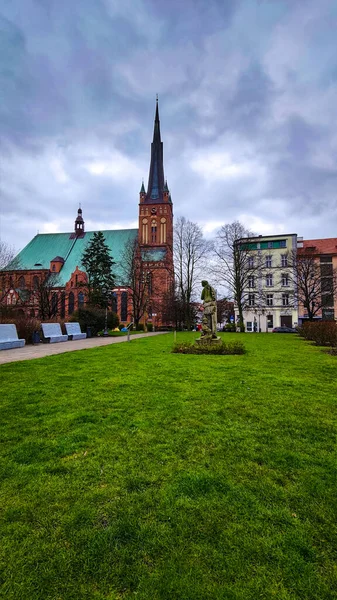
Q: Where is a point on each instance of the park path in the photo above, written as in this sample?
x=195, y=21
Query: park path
x=41, y=350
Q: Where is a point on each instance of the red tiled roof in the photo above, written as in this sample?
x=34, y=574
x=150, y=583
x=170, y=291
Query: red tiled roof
x=321, y=246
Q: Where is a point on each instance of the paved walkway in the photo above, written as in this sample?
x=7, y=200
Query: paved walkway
x=41, y=350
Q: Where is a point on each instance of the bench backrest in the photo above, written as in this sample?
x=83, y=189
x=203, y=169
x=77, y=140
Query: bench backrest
x=8, y=332
x=72, y=328
x=51, y=329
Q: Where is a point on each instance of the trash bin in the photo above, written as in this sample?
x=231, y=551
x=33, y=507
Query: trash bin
x=36, y=338
x=89, y=332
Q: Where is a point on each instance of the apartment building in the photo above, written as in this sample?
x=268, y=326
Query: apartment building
x=270, y=294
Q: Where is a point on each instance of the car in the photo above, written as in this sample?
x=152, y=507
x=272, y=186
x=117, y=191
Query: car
x=284, y=330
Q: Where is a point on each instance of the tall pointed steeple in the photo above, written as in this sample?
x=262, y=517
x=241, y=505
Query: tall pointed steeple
x=156, y=182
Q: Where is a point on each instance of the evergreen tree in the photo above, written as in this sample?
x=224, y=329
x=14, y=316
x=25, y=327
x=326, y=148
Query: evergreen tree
x=98, y=264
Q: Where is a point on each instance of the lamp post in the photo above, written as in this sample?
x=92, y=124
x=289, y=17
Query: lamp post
x=106, y=296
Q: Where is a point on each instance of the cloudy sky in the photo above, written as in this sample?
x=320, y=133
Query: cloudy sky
x=248, y=108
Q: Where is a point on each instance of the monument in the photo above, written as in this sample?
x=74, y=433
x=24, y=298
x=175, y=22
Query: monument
x=209, y=319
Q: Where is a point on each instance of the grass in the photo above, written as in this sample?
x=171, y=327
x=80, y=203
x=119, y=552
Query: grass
x=131, y=472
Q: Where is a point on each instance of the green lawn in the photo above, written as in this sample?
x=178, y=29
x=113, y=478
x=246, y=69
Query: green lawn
x=131, y=472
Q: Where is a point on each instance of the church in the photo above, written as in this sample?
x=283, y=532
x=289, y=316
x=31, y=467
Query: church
x=57, y=256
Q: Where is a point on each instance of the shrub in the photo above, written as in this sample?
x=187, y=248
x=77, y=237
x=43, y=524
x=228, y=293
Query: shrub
x=220, y=348
x=140, y=327
x=323, y=333
x=95, y=318
x=149, y=326
x=229, y=327
x=25, y=327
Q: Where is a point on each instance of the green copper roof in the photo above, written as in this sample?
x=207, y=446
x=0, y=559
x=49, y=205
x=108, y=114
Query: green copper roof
x=45, y=246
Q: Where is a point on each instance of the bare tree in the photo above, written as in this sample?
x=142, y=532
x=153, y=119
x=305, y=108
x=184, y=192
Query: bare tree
x=315, y=281
x=235, y=262
x=7, y=254
x=48, y=296
x=138, y=278
x=190, y=251
x=8, y=263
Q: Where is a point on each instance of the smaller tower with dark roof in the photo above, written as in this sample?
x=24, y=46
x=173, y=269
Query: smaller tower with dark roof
x=79, y=224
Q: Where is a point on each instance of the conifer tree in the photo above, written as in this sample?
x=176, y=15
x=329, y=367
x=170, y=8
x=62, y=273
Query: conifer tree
x=98, y=264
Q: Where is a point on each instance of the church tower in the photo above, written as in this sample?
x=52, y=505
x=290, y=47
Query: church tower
x=156, y=226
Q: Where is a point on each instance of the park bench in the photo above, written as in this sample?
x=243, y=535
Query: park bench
x=74, y=331
x=9, y=337
x=52, y=333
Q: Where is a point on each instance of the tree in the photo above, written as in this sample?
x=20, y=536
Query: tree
x=315, y=282
x=10, y=262
x=98, y=264
x=47, y=297
x=139, y=280
x=7, y=254
x=190, y=251
x=235, y=262
x=225, y=310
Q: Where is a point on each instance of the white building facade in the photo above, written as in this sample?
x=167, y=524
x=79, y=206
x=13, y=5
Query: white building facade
x=269, y=298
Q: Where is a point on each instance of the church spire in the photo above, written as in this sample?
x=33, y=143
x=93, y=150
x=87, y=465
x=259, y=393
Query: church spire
x=155, y=186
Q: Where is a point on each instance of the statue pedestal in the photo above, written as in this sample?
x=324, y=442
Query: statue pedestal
x=208, y=341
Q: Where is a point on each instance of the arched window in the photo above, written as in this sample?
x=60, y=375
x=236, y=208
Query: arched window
x=153, y=230
x=71, y=303
x=35, y=282
x=54, y=304
x=124, y=306
x=21, y=283
x=114, y=302
x=53, y=268
x=80, y=299
x=149, y=282
x=63, y=305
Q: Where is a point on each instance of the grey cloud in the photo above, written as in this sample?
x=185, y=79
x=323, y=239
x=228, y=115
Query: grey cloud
x=78, y=85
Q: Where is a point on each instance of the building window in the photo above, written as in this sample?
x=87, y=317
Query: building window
x=270, y=321
x=285, y=279
x=270, y=244
x=284, y=260
x=71, y=303
x=328, y=314
x=283, y=243
x=124, y=306
x=249, y=326
x=285, y=299
x=269, y=261
x=80, y=299
x=63, y=305
x=54, y=304
x=251, y=299
x=270, y=298
x=21, y=283
x=149, y=282
x=251, y=262
x=269, y=280
x=114, y=302
x=251, y=281
x=53, y=268
x=153, y=231
x=35, y=283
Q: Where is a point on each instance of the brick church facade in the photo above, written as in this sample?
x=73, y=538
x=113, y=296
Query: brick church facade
x=57, y=257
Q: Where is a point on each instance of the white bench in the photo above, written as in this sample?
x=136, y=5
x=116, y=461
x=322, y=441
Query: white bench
x=53, y=333
x=74, y=331
x=9, y=337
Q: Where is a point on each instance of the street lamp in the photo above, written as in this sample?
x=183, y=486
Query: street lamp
x=105, y=292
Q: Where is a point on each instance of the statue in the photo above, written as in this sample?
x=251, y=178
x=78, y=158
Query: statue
x=209, y=319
